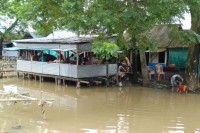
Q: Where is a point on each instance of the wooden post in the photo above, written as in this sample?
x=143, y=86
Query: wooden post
x=1, y=74
x=59, y=81
x=17, y=74
x=77, y=55
x=107, y=73
x=42, y=105
x=90, y=58
x=40, y=77
x=56, y=81
x=78, y=84
x=117, y=75
x=63, y=81
x=28, y=76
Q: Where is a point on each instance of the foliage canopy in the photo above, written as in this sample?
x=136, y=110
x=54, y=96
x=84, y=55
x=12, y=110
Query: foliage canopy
x=105, y=50
x=11, y=27
x=129, y=19
x=102, y=17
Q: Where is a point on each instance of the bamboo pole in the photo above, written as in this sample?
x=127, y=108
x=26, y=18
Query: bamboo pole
x=15, y=97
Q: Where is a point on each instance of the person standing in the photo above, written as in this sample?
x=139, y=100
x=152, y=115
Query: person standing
x=121, y=73
x=128, y=64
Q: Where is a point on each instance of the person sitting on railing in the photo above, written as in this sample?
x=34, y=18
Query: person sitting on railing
x=35, y=56
x=72, y=59
x=128, y=64
x=60, y=58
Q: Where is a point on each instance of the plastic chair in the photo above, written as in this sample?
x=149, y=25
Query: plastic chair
x=151, y=72
x=159, y=71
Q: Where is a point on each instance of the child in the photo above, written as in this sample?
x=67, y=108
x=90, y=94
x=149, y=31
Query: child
x=182, y=88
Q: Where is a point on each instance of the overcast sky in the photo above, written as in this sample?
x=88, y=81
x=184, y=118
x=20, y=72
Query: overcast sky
x=187, y=22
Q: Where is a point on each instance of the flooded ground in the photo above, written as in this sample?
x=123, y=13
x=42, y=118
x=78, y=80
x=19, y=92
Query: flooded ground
x=101, y=110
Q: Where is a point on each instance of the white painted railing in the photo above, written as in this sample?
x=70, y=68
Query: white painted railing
x=66, y=70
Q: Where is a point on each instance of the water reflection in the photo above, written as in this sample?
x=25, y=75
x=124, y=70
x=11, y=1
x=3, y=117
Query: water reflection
x=101, y=110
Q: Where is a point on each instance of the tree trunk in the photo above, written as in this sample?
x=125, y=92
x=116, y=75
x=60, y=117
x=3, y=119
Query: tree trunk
x=145, y=80
x=134, y=68
x=1, y=45
x=192, y=67
x=107, y=76
x=193, y=54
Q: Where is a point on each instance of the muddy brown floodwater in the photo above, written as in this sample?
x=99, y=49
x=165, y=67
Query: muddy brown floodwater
x=100, y=110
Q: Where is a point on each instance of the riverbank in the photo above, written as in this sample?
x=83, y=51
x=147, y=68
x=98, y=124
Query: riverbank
x=8, y=70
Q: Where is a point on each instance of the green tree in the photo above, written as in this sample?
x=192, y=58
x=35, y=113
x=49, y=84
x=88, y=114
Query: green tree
x=108, y=17
x=105, y=50
x=193, y=55
x=44, y=16
x=11, y=27
x=103, y=17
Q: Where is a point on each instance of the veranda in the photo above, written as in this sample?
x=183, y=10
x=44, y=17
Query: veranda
x=62, y=71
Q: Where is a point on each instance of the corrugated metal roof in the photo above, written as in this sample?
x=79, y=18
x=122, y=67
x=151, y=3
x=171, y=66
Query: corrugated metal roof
x=68, y=40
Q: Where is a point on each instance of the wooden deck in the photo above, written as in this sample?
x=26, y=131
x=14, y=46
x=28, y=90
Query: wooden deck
x=61, y=79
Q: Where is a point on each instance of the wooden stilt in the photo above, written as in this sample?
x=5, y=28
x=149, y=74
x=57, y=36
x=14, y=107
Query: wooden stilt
x=59, y=81
x=42, y=103
x=40, y=78
x=63, y=81
x=28, y=76
x=17, y=74
x=56, y=81
x=78, y=84
x=1, y=75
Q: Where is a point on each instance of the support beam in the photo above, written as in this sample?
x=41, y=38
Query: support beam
x=63, y=81
x=78, y=84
